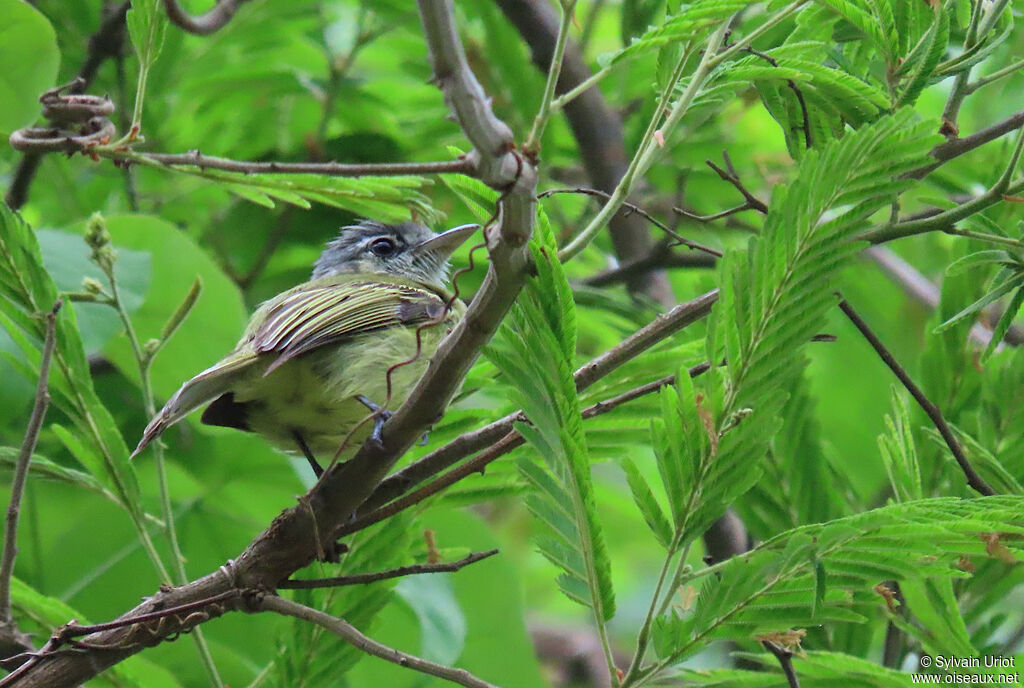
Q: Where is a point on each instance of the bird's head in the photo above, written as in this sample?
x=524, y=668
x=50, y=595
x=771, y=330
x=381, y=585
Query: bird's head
x=408, y=250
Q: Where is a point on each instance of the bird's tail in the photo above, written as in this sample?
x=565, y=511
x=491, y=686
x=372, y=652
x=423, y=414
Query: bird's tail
x=207, y=385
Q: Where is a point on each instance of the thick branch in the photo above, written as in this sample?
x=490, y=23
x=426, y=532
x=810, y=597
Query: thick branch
x=933, y=412
x=205, y=24
x=350, y=634
x=302, y=532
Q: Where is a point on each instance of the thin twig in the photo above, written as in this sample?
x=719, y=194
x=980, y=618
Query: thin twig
x=933, y=412
x=730, y=175
x=532, y=145
x=28, y=446
x=632, y=207
x=785, y=657
x=144, y=361
x=364, y=578
x=194, y=158
x=205, y=24
x=661, y=256
x=808, y=137
x=350, y=634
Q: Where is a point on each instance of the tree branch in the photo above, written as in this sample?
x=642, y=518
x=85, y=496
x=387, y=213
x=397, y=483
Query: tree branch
x=28, y=446
x=205, y=24
x=364, y=578
x=785, y=657
x=954, y=148
x=303, y=531
x=933, y=412
x=661, y=256
x=194, y=158
x=351, y=635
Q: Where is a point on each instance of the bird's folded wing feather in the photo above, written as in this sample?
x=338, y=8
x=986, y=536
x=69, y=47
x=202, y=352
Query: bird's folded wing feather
x=297, y=322
x=315, y=317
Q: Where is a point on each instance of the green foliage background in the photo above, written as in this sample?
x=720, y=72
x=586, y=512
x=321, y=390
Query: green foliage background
x=804, y=434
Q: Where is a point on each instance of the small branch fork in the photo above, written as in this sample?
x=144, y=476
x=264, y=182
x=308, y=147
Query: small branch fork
x=729, y=174
x=633, y=208
x=973, y=479
x=785, y=657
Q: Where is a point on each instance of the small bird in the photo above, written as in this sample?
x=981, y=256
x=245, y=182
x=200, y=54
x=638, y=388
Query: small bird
x=313, y=359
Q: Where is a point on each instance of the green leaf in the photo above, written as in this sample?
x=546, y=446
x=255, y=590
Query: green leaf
x=648, y=505
x=544, y=319
x=1011, y=282
x=28, y=63
x=899, y=453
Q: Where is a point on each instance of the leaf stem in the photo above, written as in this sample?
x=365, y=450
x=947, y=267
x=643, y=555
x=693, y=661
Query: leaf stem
x=144, y=360
x=645, y=152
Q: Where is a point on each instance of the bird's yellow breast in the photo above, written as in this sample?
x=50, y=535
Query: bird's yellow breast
x=314, y=394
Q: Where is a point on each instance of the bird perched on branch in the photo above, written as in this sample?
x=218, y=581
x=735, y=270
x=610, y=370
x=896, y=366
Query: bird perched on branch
x=314, y=358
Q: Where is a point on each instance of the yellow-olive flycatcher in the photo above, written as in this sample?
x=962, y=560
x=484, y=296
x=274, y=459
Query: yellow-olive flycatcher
x=313, y=358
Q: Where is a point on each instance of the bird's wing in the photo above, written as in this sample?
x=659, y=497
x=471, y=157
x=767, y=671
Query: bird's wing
x=311, y=318
x=294, y=323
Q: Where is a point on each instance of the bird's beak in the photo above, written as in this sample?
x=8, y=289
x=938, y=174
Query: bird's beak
x=445, y=243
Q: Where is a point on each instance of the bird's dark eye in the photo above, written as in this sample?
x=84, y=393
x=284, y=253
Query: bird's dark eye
x=383, y=247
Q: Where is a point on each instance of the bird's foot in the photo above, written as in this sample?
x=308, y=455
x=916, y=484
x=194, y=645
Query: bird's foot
x=380, y=416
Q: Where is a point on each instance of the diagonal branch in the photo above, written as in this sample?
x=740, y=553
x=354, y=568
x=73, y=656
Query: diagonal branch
x=498, y=432
x=933, y=412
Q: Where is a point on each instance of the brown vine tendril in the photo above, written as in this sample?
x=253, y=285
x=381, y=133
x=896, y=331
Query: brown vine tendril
x=77, y=123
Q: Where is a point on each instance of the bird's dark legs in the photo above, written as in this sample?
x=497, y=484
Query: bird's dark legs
x=313, y=463
x=381, y=416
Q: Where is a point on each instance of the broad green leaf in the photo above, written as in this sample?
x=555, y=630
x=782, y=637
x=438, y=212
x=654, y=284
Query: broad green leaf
x=28, y=63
